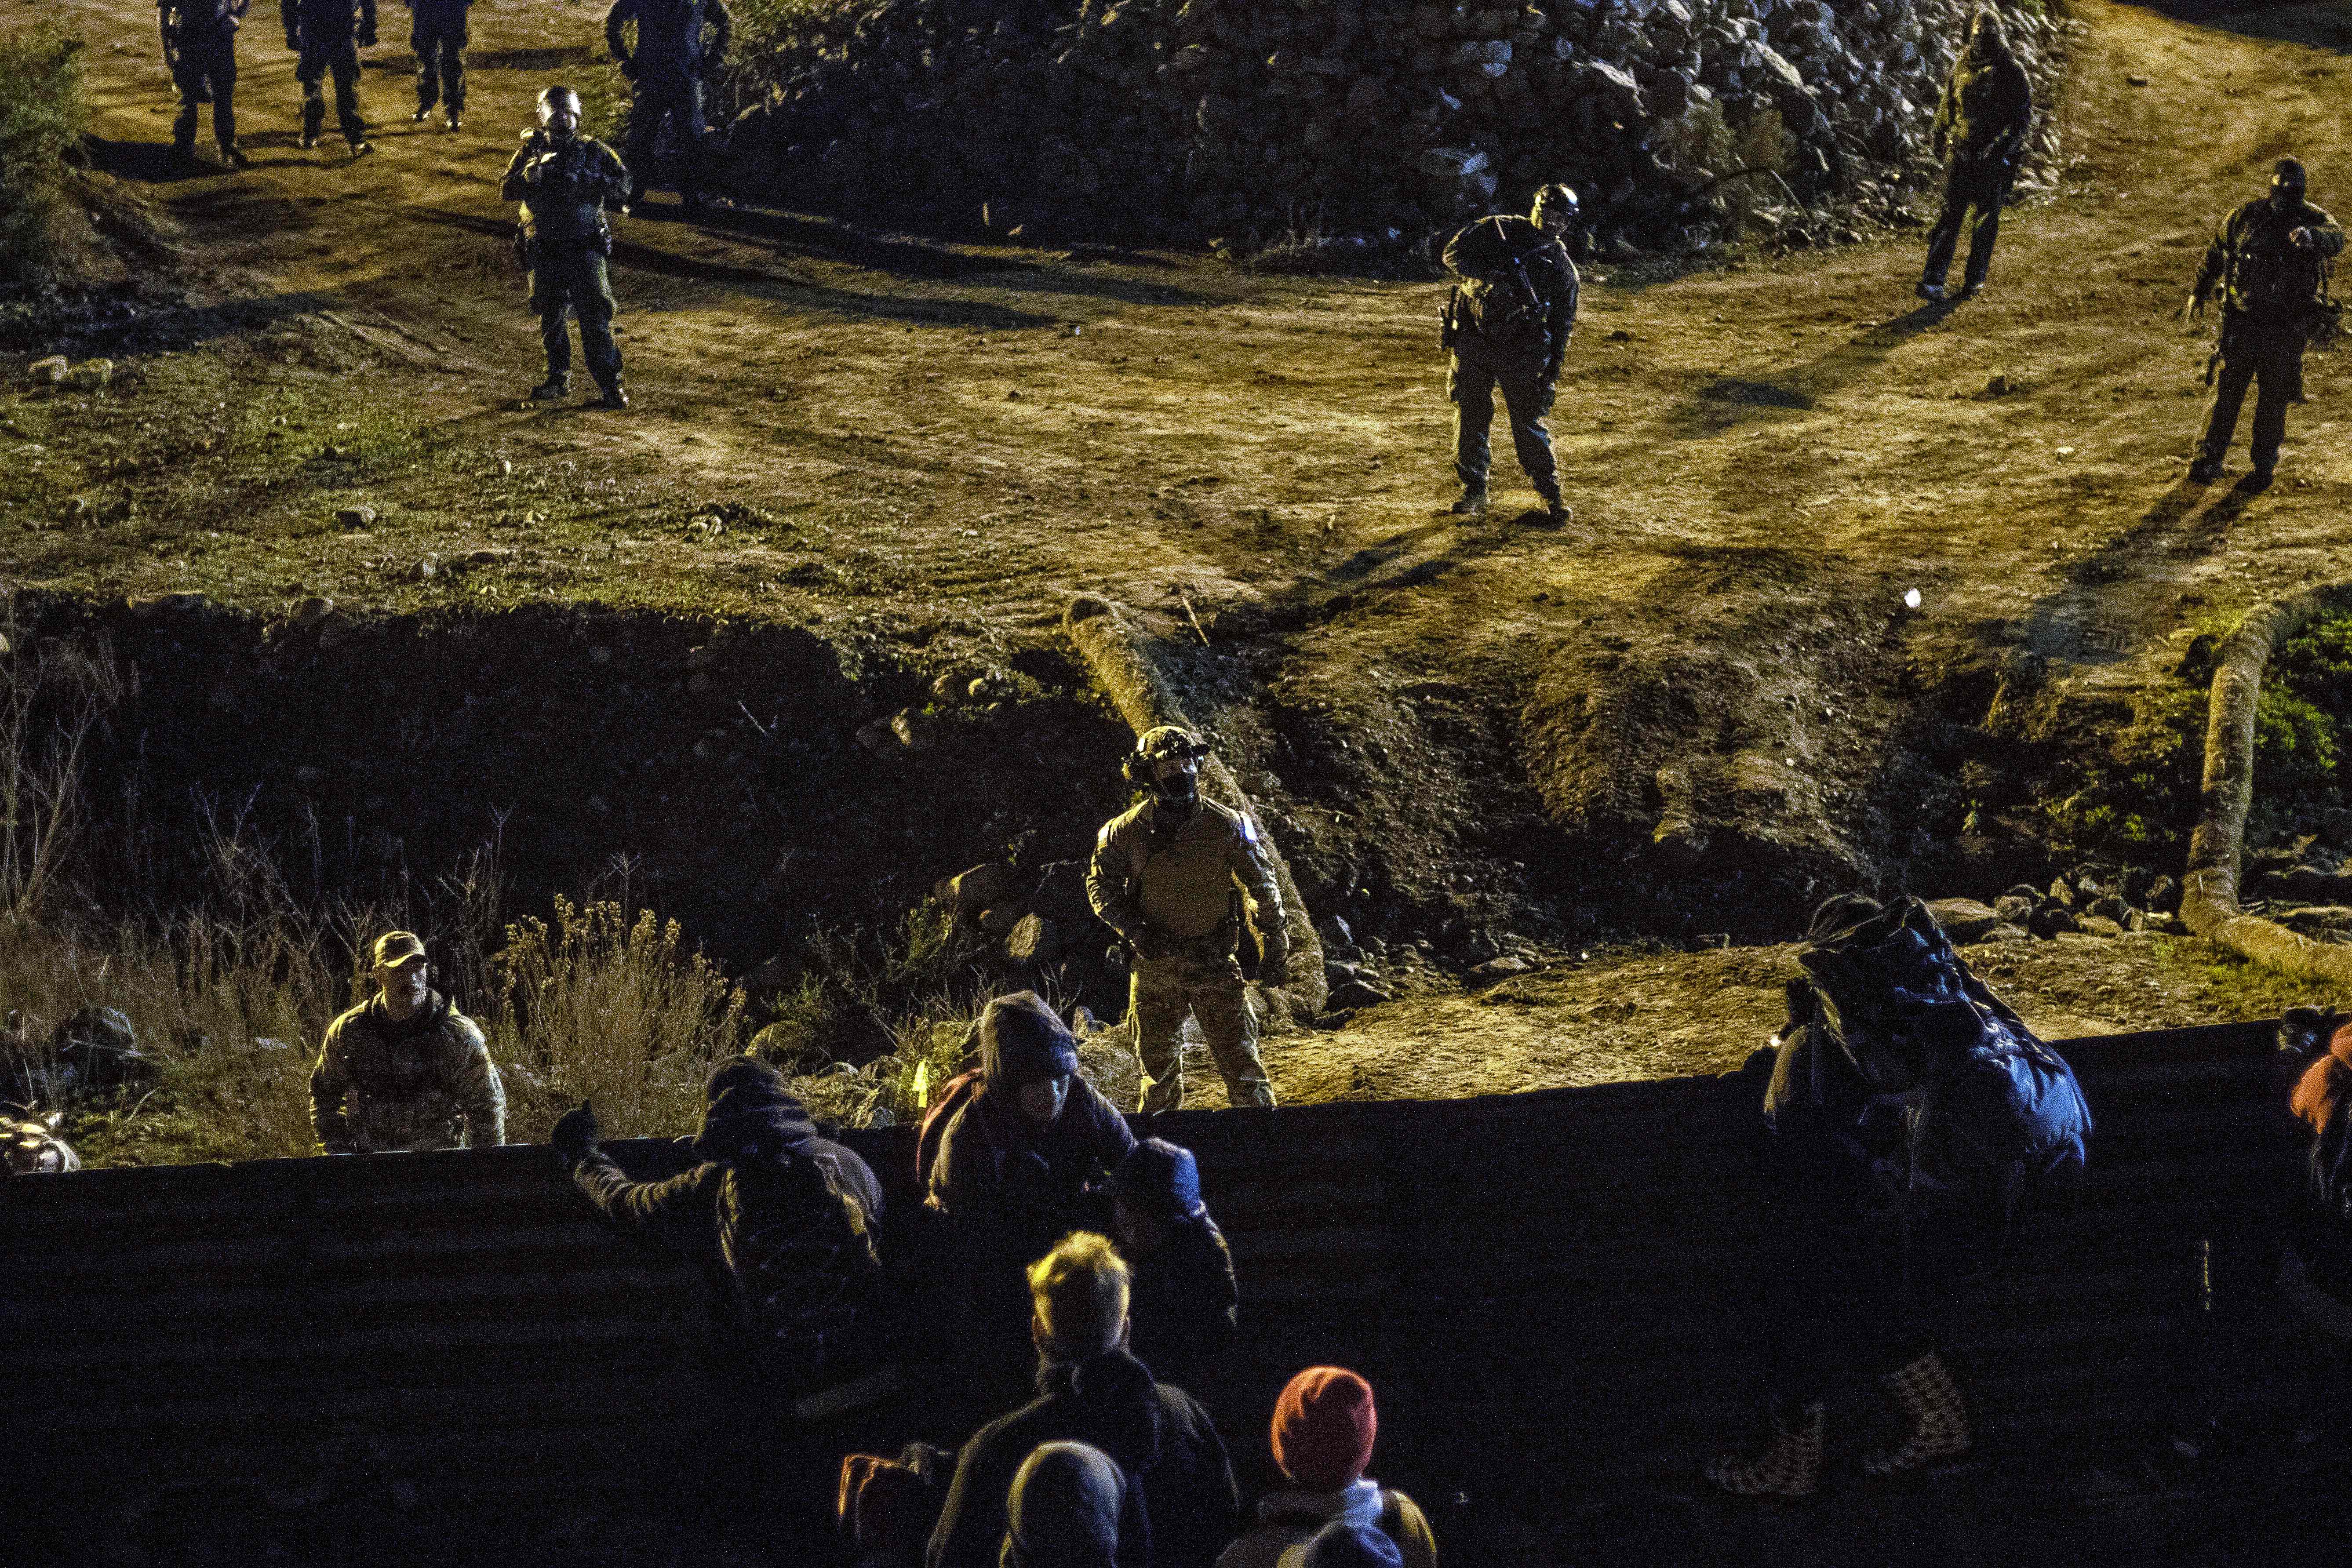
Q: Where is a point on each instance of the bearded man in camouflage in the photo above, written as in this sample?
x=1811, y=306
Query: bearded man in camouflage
x=1167, y=876
x=406, y=1071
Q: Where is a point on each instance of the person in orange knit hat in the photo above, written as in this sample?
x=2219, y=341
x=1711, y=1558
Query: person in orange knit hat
x=1323, y=1429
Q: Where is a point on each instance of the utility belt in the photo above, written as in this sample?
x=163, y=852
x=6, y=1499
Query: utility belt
x=530, y=248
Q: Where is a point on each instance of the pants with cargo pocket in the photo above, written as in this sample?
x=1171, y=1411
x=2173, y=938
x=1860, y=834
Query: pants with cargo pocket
x=206, y=68
x=2253, y=354
x=1471, y=377
x=1161, y=993
x=437, y=34
x=339, y=58
x=576, y=280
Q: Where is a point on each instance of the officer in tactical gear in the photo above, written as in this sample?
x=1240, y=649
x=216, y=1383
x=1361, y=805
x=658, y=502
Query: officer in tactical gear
x=1169, y=875
x=403, y=1071
x=667, y=72
x=2267, y=263
x=327, y=36
x=565, y=181
x=1986, y=111
x=1507, y=322
x=200, y=51
x=436, y=32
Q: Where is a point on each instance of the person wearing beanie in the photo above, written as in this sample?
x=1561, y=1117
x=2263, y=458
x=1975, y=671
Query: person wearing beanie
x=1185, y=1306
x=1018, y=1164
x=1323, y=1429
x=1091, y=1391
x=1072, y=1507
x=1340, y=1544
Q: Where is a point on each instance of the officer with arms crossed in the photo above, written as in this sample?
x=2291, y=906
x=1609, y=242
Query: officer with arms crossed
x=2267, y=264
x=1169, y=876
x=565, y=181
x=1506, y=324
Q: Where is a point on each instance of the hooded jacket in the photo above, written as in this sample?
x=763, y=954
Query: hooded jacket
x=1158, y=1434
x=997, y=1170
x=383, y=1087
x=1072, y=1507
x=758, y=1152
x=1288, y=1520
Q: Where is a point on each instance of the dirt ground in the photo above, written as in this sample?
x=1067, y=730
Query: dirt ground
x=934, y=444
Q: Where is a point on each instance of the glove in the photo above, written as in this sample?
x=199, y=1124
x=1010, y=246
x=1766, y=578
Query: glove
x=574, y=1137
x=1274, y=969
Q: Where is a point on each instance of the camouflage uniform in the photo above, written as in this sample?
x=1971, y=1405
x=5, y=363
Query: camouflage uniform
x=1983, y=117
x=566, y=240
x=2267, y=288
x=1506, y=259
x=386, y=1088
x=1165, y=881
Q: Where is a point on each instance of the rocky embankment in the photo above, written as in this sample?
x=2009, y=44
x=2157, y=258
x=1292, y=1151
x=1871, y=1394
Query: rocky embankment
x=1360, y=122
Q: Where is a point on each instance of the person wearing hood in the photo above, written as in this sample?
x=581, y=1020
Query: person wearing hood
x=1072, y=1507
x=1092, y=1391
x=404, y=1071
x=1322, y=1434
x=781, y=1220
x=1983, y=117
x=1912, y=1114
x=1183, y=1301
x=1342, y=1545
x=1018, y=1161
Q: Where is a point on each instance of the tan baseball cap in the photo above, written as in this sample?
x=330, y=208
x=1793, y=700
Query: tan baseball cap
x=396, y=947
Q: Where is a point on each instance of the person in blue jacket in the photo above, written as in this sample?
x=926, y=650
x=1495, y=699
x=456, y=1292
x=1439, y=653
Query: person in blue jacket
x=1912, y=1115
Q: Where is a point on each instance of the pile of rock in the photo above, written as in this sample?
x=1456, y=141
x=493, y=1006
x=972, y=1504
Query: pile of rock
x=2089, y=900
x=1181, y=120
x=2307, y=885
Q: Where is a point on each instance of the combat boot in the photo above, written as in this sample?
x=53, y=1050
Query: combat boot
x=185, y=151
x=1554, y=513
x=2204, y=470
x=1933, y=1410
x=361, y=148
x=552, y=388
x=616, y=396
x=1930, y=291
x=233, y=156
x=457, y=121
x=423, y=112
x=1791, y=1467
x=1471, y=502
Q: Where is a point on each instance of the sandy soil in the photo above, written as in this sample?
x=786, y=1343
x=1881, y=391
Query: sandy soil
x=936, y=444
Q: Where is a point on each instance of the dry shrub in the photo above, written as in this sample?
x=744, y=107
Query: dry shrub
x=610, y=1007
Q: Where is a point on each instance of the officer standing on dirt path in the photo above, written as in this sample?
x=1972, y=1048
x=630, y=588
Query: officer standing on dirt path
x=327, y=36
x=1167, y=876
x=2268, y=264
x=436, y=32
x=1986, y=111
x=1507, y=322
x=667, y=73
x=200, y=51
x=565, y=181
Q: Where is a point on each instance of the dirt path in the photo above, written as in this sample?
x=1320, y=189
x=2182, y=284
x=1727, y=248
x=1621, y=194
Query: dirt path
x=937, y=443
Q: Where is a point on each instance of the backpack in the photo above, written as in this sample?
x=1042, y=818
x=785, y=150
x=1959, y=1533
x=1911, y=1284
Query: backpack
x=934, y=1131
x=808, y=1272
x=1498, y=298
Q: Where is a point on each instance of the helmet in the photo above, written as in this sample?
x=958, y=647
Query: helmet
x=1554, y=199
x=1163, y=743
x=558, y=100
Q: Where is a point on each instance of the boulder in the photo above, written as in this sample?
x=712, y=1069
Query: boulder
x=1964, y=919
x=99, y=1049
x=2012, y=909
x=1034, y=939
x=1498, y=969
x=983, y=887
x=1356, y=993
x=2099, y=925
